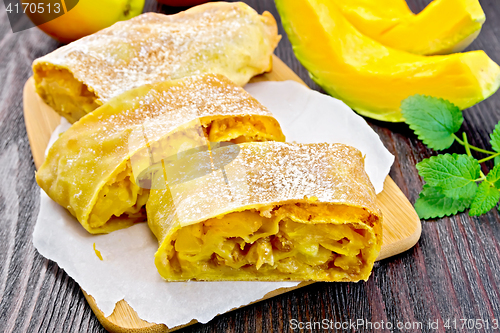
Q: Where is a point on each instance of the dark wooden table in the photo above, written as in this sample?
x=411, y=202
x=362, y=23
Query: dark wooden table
x=453, y=272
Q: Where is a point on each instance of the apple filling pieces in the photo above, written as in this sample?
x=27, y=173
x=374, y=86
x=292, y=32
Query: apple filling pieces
x=98, y=169
x=266, y=211
x=223, y=38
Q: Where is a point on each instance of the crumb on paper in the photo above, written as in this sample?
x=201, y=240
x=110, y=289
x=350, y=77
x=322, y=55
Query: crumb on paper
x=98, y=253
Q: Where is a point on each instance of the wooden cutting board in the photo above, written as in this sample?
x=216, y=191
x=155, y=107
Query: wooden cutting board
x=401, y=229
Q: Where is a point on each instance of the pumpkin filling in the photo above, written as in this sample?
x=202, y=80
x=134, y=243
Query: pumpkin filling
x=61, y=91
x=301, y=240
x=120, y=201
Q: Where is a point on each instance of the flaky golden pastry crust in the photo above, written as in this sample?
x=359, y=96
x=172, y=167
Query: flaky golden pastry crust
x=92, y=168
x=223, y=38
x=255, y=215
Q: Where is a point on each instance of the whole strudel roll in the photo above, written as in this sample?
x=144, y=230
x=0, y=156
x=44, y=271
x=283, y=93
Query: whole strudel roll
x=96, y=167
x=223, y=38
x=277, y=211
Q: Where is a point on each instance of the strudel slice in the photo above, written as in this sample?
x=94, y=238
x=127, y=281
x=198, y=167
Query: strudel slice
x=266, y=211
x=94, y=169
x=224, y=38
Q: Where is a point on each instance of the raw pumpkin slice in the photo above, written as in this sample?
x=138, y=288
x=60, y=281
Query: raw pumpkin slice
x=443, y=27
x=371, y=78
x=372, y=18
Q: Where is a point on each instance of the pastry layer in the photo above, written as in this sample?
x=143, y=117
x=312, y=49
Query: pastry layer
x=267, y=211
x=224, y=38
x=93, y=168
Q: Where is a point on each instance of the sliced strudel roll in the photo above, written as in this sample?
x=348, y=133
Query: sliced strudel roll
x=266, y=211
x=96, y=169
x=223, y=38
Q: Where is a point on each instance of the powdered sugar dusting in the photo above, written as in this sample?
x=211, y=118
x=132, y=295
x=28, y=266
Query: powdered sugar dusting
x=161, y=108
x=225, y=38
x=267, y=173
x=101, y=142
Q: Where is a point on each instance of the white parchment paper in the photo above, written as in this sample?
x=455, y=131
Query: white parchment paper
x=128, y=271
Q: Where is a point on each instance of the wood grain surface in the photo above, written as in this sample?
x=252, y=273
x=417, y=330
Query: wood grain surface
x=401, y=227
x=452, y=273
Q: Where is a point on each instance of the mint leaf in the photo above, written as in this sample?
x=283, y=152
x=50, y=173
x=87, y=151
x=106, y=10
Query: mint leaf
x=486, y=198
x=495, y=142
x=433, y=120
x=493, y=177
x=433, y=203
x=454, y=174
x=495, y=139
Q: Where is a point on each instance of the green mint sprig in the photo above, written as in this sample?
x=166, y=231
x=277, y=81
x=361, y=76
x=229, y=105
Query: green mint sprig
x=453, y=182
